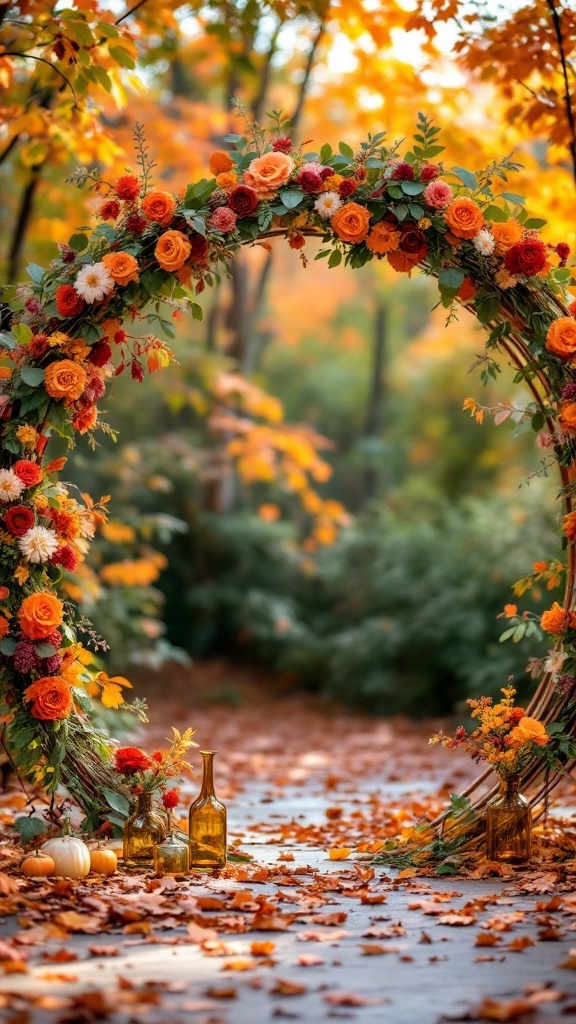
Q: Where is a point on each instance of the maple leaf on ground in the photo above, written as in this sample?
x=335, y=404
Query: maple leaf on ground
x=283, y=987
x=350, y=999
x=456, y=919
x=514, y=1009
x=519, y=944
x=542, y=883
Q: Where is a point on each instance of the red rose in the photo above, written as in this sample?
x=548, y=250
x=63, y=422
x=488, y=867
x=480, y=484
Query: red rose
x=127, y=187
x=18, y=520
x=199, y=247
x=109, y=210
x=170, y=799
x=429, y=172
x=413, y=242
x=402, y=172
x=130, y=760
x=100, y=353
x=243, y=200
x=30, y=473
x=310, y=181
x=68, y=302
x=526, y=257
x=282, y=145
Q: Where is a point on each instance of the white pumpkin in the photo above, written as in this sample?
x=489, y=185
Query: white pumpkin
x=71, y=856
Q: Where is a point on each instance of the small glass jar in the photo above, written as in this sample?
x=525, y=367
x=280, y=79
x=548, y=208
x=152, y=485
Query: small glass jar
x=171, y=857
x=144, y=830
x=509, y=824
x=207, y=822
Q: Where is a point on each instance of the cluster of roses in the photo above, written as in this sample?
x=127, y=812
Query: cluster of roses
x=506, y=736
x=147, y=773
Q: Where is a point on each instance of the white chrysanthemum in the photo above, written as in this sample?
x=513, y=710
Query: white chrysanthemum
x=11, y=485
x=94, y=283
x=38, y=544
x=327, y=204
x=484, y=242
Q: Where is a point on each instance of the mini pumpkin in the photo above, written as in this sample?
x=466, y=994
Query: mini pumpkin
x=71, y=856
x=38, y=865
x=104, y=861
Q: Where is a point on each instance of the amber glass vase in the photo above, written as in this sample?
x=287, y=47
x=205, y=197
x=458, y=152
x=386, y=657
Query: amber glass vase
x=172, y=856
x=207, y=822
x=509, y=823
x=144, y=830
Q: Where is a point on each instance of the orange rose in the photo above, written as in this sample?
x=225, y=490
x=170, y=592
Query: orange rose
x=159, y=206
x=569, y=526
x=568, y=417
x=227, y=180
x=65, y=379
x=172, y=250
x=51, y=698
x=269, y=172
x=464, y=217
x=561, y=337
x=382, y=239
x=122, y=267
x=220, y=162
x=529, y=730
x=351, y=222
x=556, y=620
x=40, y=614
x=507, y=234
x=401, y=262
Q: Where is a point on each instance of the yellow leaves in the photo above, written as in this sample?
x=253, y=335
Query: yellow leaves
x=339, y=852
x=21, y=574
x=476, y=411
x=109, y=689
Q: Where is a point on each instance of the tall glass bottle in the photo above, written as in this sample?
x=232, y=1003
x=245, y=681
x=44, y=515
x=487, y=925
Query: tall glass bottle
x=144, y=829
x=207, y=822
x=509, y=823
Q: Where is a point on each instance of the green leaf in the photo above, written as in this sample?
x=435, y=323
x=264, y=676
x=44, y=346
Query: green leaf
x=7, y=646
x=29, y=828
x=335, y=258
x=412, y=188
x=506, y=634
x=325, y=153
x=23, y=333
x=466, y=177
x=534, y=223
x=291, y=198
x=416, y=211
x=401, y=211
x=122, y=57
x=197, y=311
x=496, y=214
x=7, y=340
x=513, y=198
x=233, y=140
x=433, y=151
x=451, y=277
x=78, y=242
x=45, y=650
x=32, y=375
x=346, y=150
x=116, y=801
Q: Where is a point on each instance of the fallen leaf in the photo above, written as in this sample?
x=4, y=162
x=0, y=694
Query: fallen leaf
x=491, y=1009
x=262, y=948
x=349, y=999
x=339, y=852
x=283, y=987
x=103, y=950
x=310, y=960
x=519, y=944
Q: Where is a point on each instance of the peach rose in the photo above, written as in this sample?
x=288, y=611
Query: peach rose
x=40, y=614
x=464, y=217
x=351, y=222
x=51, y=698
x=561, y=337
x=122, y=267
x=529, y=730
x=507, y=234
x=172, y=250
x=269, y=172
x=159, y=206
x=65, y=379
x=220, y=162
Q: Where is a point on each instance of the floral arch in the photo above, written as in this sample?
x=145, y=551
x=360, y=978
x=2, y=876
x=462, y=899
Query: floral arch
x=70, y=336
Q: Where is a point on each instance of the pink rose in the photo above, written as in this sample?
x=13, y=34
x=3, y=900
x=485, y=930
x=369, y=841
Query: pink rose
x=438, y=194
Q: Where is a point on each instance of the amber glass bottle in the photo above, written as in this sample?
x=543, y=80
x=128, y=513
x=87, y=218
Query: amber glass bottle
x=509, y=824
x=144, y=829
x=207, y=822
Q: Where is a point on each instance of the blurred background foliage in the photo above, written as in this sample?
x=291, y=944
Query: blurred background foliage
x=303, y=489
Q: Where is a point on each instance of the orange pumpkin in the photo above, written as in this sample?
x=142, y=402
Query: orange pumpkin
x=38, y=865
x=103, y=861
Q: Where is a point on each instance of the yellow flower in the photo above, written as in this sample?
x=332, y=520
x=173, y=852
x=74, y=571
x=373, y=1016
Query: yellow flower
x=27, y=436
x=58, y=339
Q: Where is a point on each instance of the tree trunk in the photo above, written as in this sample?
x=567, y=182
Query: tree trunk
x=375, y=411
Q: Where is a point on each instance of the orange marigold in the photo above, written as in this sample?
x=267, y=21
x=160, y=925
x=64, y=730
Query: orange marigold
x=220, y=162
x=227, y=180
x=382, y=239
x=40, y=614
x=561, y=337
x=506, y=234
x=569, y=526
x=464, y=217
x=159, y=206
x=121, y=266
x=51, y=698
x=4, y=627
x=555, y=620
x=65, y=379
x=529, y=730
x=351, y=222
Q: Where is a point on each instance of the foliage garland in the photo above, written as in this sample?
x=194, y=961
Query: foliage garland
x=71, y=333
